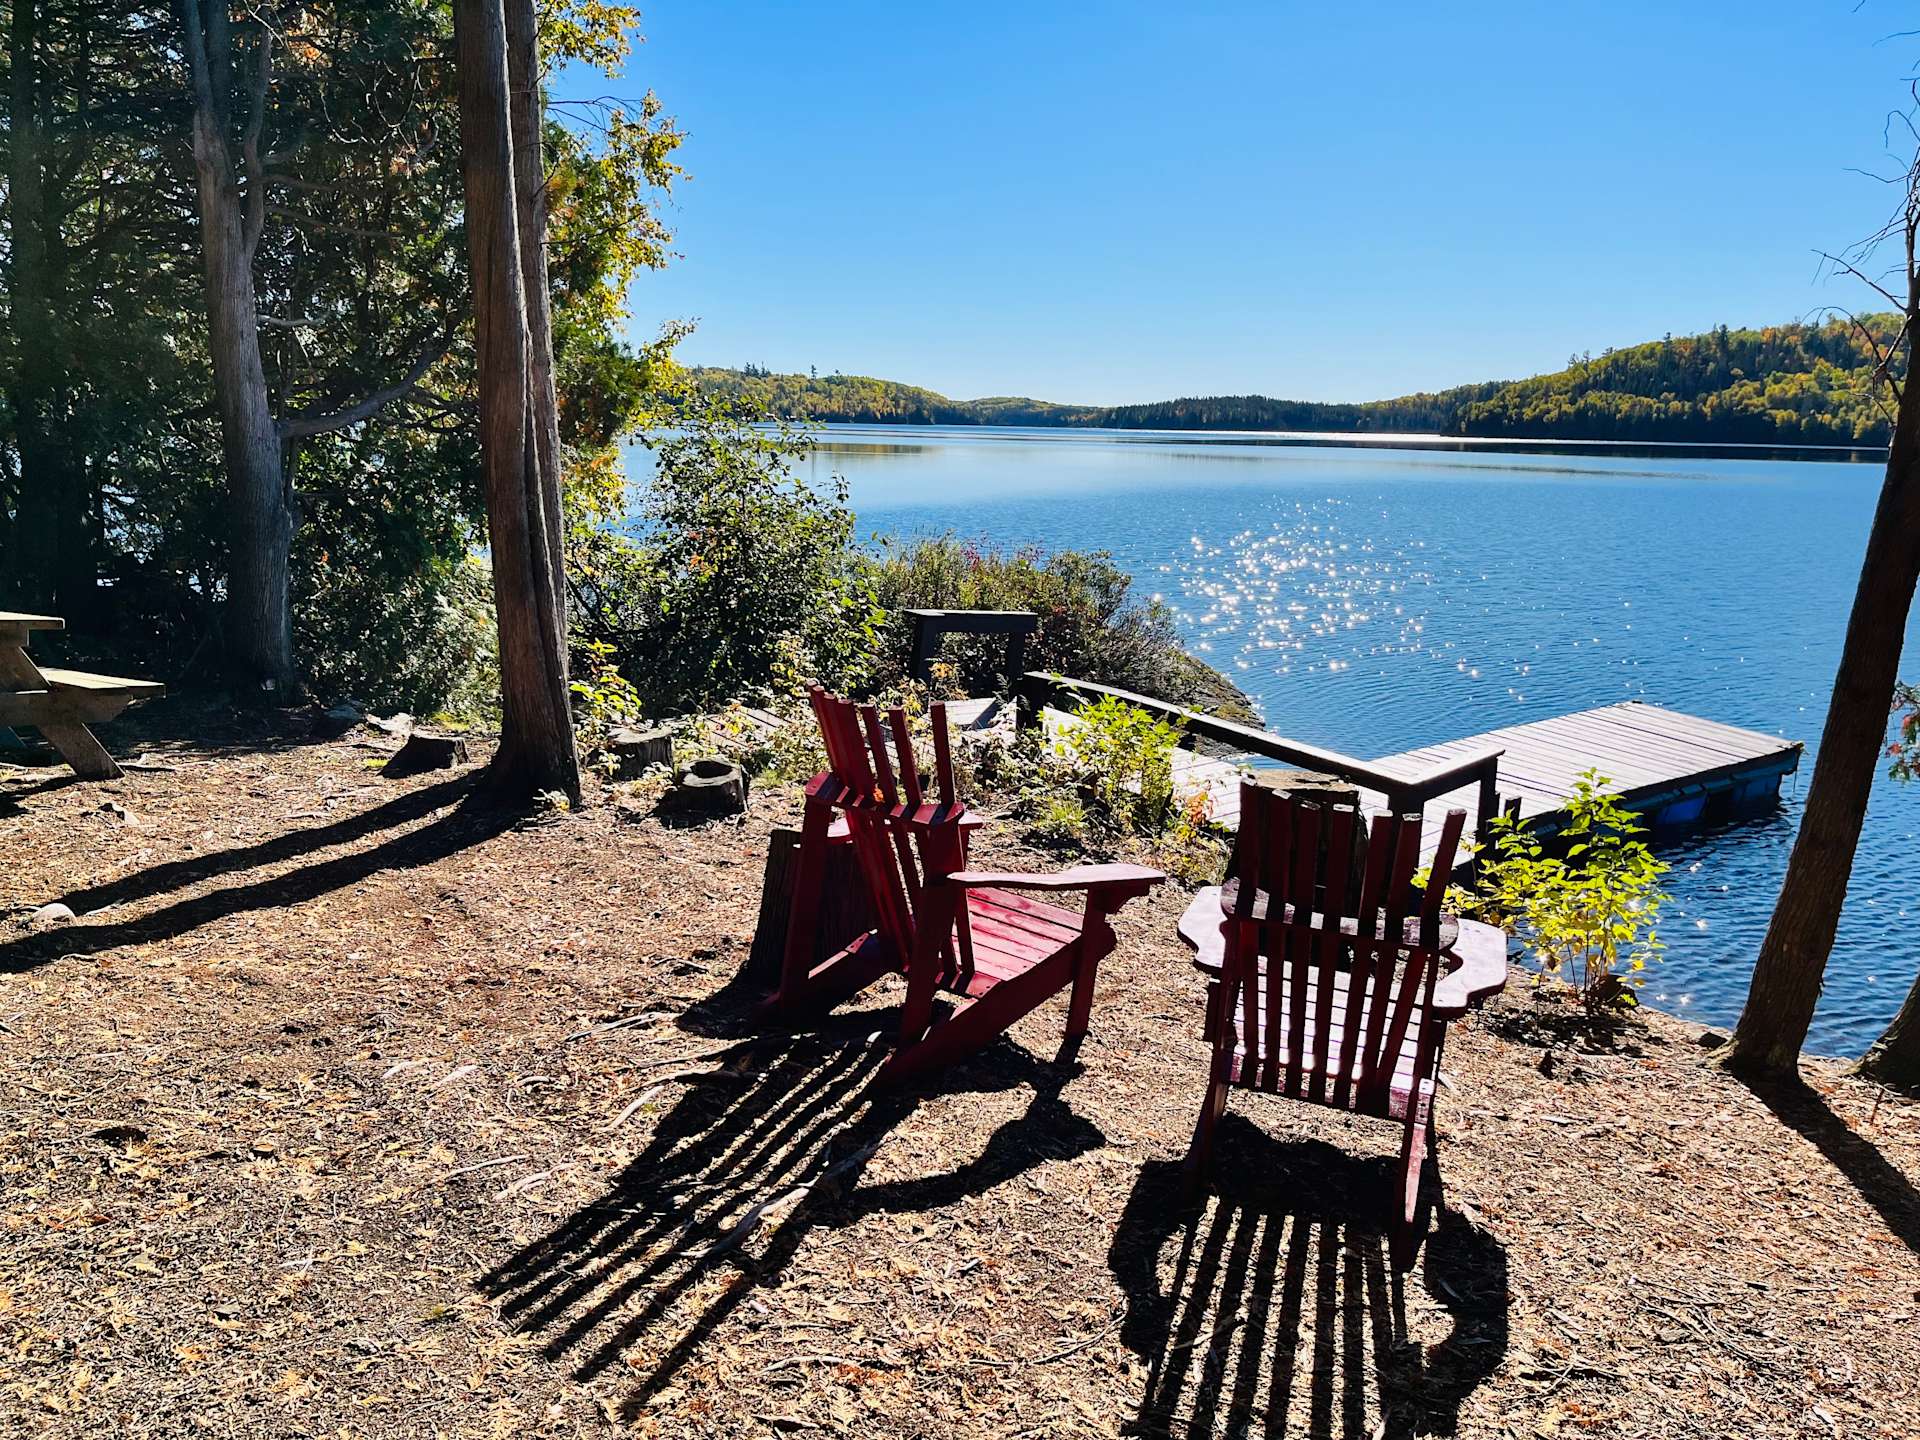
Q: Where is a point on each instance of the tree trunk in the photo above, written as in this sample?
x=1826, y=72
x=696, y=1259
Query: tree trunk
x=536, y=730
x=259, y=612
x=1894, y=1059
x=530, y=200
x=1786, y=977
x=52, y=562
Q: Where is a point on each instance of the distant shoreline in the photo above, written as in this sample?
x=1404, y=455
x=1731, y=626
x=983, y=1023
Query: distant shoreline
x=1370, y=440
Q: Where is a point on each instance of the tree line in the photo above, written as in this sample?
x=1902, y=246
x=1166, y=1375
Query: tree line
x=1801, y=384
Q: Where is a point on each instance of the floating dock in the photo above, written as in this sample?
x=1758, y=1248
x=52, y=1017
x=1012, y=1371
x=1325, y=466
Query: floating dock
x=1677, y=771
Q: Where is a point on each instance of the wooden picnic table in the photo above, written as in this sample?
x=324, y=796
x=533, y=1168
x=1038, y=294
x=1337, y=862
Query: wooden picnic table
x=62, y=704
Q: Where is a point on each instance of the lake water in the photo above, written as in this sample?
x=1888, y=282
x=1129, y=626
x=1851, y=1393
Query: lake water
x=1375, y=600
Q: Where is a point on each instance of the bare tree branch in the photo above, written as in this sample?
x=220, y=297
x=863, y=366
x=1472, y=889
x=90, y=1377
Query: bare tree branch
x=294, y=427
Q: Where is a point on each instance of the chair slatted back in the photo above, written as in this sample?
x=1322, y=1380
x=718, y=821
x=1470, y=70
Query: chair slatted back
x=862, y=754
x=1347, y=976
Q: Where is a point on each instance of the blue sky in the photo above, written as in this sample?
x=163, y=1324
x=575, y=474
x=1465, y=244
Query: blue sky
x=1118, y=202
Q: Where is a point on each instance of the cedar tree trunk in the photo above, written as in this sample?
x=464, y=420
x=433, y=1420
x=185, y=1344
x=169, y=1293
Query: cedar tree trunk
x=259, y=613
x=536, y=731
x=1894, y=1059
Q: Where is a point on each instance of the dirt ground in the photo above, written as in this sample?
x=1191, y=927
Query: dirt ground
x=358, y=1107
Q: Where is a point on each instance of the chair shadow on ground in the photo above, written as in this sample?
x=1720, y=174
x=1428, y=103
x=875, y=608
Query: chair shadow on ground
x=471, y=816
x=1283, y=1312
x=749, y=1162
x=1878, y=1181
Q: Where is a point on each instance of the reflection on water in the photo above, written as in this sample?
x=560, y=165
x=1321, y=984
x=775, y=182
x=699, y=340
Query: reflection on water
x=1375, y=601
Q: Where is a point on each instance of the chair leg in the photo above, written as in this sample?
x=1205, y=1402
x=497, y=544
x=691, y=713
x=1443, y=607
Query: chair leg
x=1408, y=1222
x=803, y=911
x=1095, y=944
x=1199, y=1161
x=1080, y=1010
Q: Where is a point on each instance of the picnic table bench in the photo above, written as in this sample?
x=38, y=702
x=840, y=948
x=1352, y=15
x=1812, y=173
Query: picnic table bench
x=59, y=703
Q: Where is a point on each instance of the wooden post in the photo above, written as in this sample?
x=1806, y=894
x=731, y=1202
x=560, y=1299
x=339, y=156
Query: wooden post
x=1488, y=807
x=920, y=666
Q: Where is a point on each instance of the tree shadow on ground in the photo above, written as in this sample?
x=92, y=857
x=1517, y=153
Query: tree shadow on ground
x=1879, y=1182
x=40, y=784
x=291, y=845
x=475, y=816
x=749, y=1162
x=1283, y=1307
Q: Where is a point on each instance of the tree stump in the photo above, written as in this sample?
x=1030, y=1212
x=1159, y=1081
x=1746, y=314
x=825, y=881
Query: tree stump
x=846, y=909
x=712, y=787
x=636, y=751
x=1329, y=792
x=425, y=752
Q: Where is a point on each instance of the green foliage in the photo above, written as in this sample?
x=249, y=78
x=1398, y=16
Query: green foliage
x=1788, y=384
x=1904, y=750
x=1103, y=788
x=1124, y=756
x=421, y=642
x=389, y=604
x=1586, y=908
x=361, y=277
x=863, y=398
x=733, y=565
x=1195, y=851
x=604, y=699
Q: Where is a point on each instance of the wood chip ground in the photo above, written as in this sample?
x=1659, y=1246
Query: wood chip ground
x=358, y=1107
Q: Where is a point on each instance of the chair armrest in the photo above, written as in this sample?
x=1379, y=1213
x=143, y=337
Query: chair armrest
x=1482, y=952
x=1204, y=930
x=1134, y=879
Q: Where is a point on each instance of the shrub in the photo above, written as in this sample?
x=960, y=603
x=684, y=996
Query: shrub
x=604, y=699
x=1585, y=909
x=1091, y=625
x=423, y=642
x=1125, y=757
x=1194, y=851
x=1107, y=776
x=733, y=559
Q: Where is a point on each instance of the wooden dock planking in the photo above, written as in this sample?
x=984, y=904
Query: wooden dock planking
x=1657, y=758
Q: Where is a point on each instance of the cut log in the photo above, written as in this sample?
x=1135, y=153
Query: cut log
x=636, y=751
x=846, y=909
x=425, y=752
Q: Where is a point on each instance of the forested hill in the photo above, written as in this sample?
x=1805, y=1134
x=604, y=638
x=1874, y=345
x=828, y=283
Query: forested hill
x=1785, y=384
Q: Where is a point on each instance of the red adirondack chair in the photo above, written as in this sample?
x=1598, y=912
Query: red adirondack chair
x=982, y=937
x=1332, y=998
